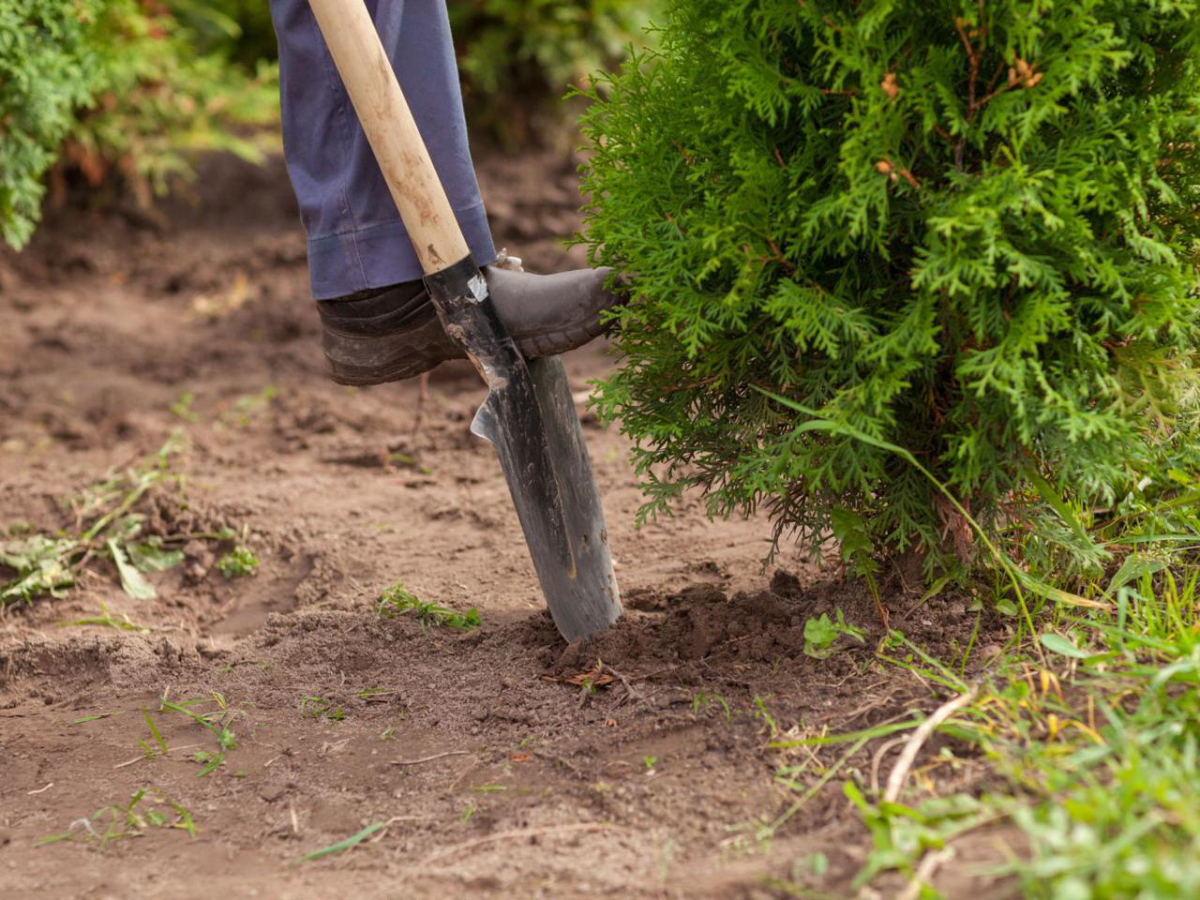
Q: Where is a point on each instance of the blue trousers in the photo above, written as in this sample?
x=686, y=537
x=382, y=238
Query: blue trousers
x=356, y=240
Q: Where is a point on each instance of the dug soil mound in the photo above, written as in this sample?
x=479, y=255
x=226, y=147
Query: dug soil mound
x=210, y=735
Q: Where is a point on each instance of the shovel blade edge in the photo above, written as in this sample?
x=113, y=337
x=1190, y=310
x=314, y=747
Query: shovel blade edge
x=530, y=419
x=549, y=477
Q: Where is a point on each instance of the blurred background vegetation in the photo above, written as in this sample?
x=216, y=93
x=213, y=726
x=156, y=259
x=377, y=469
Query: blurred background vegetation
x=518, y=58
x=124, y=90
x=123, y=94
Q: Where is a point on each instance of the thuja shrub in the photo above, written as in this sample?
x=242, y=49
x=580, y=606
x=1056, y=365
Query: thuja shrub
x=964, y=230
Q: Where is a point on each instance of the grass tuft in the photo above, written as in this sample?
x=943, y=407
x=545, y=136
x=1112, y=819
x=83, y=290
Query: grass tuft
x=216, y=722
x=1084, y=732
x=145, y=810
x=238, y=563
x=397, y=601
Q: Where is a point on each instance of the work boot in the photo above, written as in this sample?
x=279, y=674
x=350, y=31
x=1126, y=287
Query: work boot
x=394, y=333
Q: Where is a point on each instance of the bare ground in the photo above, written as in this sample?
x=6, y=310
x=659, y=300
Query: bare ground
x=495, y=771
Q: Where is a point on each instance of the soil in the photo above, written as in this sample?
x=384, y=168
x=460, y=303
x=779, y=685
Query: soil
x=502, y=762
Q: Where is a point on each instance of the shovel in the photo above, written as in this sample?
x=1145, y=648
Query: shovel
x=529, y=415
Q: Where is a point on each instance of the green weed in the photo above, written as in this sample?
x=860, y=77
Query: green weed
x=820, y=634
x=95, y=718
x=1089, y=720
x=408, y=461
x=764, y=715
x=105, y=525
x=217, y=722
x=1095, y=756
x=42, y=565
x=238, y=563
x=397, y=601
x=372, y=693
x=312, y=707
x=145, y=810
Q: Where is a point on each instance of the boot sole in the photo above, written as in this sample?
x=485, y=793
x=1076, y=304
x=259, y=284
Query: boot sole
x=400, y=362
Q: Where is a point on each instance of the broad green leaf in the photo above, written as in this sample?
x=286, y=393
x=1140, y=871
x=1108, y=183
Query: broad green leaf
x=1132, y=569
x=1056, y=643
x=133, y=582
x=151, y=558
x=42, y=566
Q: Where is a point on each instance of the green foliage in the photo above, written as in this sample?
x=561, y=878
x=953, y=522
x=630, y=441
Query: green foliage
x=46, y=57
x=966, y=231
x=515, y=55
x=239, y=30
x=313, y=707
x=1098, y=772
x=164, y=101
x=107, y=620
x=238, y=563
x=105, y=525
x=397, y=601
x=41, y=565
x=108, y=523
x=124, y=86
x=217, y=722
x=820, y=634
x=145, y=810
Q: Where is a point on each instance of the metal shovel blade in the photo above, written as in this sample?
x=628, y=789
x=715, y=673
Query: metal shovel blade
x=529, y=417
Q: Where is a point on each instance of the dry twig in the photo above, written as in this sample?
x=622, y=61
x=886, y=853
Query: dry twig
x=895, y=780
x=425, y=759
x=631, y=692
x=167, y=752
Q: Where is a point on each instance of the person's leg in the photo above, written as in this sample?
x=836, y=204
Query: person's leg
x=378, y=322
x=356, y=241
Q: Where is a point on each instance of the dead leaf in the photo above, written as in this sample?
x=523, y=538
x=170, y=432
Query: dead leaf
x=594, y=677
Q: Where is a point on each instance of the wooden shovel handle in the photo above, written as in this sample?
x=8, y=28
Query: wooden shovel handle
x=392, y=132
